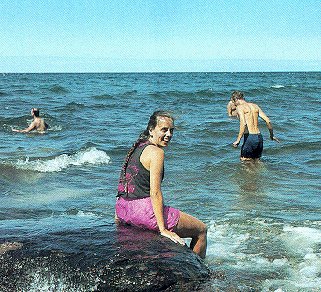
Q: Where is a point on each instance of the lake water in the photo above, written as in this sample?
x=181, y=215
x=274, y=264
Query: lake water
x=264, y=220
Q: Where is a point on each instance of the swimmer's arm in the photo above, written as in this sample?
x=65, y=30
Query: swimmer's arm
x=30, y=128
x=229, y=109
x=242, y=127
x=156, y=173
x=263, y=116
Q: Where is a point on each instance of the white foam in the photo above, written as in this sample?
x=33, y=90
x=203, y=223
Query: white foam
x=277, y=86
x=42, y=281
x=224, y=242
x=301, y=239
x=87, y=156
x=229, y=244
x=55, y=128
x=86, y=214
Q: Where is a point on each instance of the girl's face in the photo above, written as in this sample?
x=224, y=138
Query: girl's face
x=163, y=132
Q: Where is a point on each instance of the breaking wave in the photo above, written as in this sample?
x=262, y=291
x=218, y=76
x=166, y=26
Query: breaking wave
x=88, y=156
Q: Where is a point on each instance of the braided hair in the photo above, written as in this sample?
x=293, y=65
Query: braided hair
x=143, y=137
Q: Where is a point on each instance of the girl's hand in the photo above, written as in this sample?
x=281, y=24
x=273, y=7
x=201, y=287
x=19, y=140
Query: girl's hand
x=172, y=236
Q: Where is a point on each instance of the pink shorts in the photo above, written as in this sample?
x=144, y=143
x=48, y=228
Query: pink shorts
x=139, y=212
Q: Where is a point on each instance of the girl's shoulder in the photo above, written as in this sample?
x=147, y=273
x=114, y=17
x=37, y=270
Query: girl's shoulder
x=153, y=151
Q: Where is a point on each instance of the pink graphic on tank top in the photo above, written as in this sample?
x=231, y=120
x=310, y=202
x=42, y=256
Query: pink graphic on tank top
x=127, y=185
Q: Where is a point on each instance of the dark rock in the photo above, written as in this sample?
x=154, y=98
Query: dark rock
x=126, y=259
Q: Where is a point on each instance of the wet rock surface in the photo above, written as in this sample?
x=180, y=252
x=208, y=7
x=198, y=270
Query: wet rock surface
x=126, y=259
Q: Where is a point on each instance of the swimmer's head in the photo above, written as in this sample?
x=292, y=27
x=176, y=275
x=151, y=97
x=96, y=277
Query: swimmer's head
x=237, y=95
x=35, y=111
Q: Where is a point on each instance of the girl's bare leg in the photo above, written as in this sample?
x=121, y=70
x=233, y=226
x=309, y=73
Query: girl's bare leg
x=189, y=226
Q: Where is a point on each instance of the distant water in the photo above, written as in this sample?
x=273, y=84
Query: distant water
x=264, y=220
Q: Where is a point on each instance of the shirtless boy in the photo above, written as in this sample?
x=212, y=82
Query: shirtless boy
x=37, y=124
x=249, y=127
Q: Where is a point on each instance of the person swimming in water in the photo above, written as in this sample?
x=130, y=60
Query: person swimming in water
x=140, y=198
x=38, y=123
x=249, y=127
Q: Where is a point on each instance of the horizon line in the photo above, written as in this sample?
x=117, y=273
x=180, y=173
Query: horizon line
x=159, y=72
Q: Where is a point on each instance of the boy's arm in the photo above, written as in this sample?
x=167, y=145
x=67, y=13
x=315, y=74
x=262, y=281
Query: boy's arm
x=263, y=116
x=242, y=126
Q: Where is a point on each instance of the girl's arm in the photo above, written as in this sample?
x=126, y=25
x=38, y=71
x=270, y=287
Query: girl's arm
x=156, y=173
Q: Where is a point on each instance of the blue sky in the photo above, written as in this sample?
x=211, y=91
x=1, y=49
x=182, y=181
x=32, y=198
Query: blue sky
x=159, y=35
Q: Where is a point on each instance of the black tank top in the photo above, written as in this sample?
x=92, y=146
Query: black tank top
x=136, y=185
